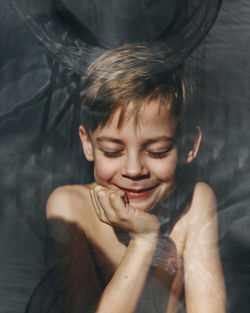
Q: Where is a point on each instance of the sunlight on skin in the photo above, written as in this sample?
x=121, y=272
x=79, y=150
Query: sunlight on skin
x=205, y=278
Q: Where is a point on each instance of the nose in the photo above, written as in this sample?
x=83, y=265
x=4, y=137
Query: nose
x=134, y=168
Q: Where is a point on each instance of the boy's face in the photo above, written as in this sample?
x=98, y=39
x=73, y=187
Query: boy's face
x=140, y=160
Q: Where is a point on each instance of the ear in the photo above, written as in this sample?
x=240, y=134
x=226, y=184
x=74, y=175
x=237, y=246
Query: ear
x=86, y=144
x=197, y=141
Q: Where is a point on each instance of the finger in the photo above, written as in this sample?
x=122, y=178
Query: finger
x=123, y=195
x=103, y=197
x=107, y=212
x=125, y=198
x=118, y=202
x=97, y=205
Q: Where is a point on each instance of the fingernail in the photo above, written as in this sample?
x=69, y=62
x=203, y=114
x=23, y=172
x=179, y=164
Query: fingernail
x=126, y=199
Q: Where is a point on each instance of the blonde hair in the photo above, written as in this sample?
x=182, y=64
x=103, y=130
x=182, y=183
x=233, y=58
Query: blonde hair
x=131, y=74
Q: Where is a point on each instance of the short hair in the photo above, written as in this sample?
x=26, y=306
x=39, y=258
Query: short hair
x=131, y=74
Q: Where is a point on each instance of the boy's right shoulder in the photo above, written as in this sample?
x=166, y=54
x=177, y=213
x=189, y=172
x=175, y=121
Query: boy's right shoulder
x=69, y=202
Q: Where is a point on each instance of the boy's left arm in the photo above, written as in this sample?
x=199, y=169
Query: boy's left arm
x=204, y=282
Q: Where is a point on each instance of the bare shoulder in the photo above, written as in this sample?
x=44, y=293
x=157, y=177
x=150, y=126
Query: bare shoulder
x=69, y=202
x=202, y=189
x=202, y=209
x=202, y=215
x=203, y=199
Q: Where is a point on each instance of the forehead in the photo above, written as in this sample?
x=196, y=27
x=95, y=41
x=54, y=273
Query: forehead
x=150, y=117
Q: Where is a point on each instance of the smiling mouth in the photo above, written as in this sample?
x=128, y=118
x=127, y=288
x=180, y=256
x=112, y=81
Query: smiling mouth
x=138, y=193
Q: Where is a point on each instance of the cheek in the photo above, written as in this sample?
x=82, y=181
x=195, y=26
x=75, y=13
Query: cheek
x=104, y=169
x=165, y=168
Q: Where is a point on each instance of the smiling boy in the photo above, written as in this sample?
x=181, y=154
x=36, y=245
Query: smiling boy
x=137, y=129
x=139, y=160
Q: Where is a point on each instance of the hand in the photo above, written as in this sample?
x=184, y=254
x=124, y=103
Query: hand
x=112, y=208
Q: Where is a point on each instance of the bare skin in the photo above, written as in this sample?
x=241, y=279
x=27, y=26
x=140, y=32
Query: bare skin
x=134, y=172
x=125, y=269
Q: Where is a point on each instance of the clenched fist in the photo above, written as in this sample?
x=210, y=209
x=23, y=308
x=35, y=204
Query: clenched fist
x=112, y=207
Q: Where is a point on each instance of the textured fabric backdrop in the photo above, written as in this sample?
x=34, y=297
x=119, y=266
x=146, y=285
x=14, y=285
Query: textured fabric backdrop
x=39, y=148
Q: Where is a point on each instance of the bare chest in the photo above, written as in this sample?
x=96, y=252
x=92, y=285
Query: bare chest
x=108, y=251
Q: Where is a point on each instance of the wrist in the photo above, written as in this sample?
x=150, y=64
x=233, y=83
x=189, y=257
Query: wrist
x=146, y=242
x=150, y=234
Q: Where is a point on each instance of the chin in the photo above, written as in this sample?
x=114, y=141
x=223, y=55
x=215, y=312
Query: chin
x=142, y=206
x=149, y=204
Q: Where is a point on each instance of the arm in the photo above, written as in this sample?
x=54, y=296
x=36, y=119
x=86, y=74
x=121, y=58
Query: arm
x=204, y=283
x=123, y=291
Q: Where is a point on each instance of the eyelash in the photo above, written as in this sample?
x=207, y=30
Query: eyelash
x=156, y=155
x=113, y=154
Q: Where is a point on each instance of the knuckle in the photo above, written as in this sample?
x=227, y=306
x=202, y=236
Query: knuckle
x=101, y=193
x=113, y=196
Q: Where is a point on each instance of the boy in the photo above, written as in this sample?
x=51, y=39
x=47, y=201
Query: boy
x=137, y=131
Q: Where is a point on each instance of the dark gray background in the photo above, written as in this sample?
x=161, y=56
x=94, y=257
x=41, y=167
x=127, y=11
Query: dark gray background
x=39, y=148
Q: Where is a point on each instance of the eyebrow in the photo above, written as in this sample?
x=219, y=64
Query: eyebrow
x=148, y=141
x=151, y=141
x=109, y=139
x=161, y=138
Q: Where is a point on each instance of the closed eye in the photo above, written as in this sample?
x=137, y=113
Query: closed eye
x=112, y=154
x=159, y=154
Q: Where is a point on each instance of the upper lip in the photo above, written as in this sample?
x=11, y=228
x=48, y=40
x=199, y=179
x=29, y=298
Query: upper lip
x=137, y=189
